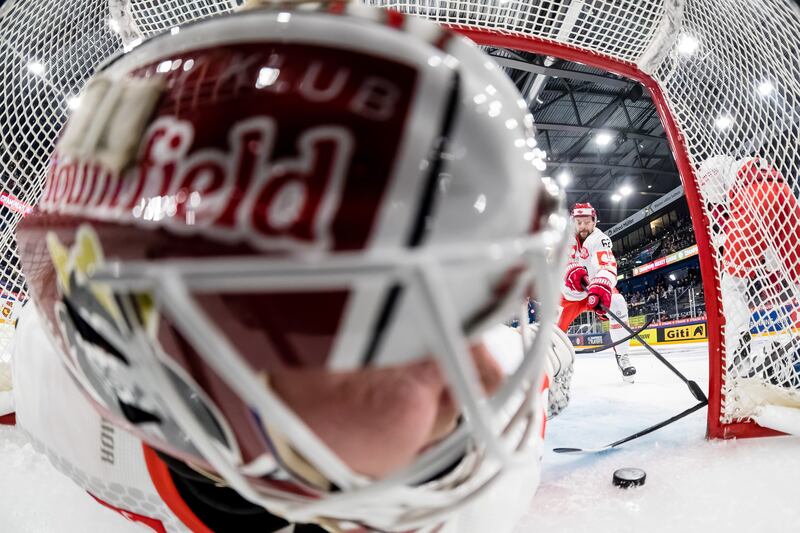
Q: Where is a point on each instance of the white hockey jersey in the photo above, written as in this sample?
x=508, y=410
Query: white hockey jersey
x=596, y=256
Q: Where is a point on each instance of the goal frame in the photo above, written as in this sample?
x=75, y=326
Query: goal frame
x=715, y=428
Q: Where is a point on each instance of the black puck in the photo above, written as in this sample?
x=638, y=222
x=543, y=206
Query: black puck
x=626, y=478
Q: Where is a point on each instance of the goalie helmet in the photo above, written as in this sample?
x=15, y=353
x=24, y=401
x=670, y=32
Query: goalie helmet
x=333, y=188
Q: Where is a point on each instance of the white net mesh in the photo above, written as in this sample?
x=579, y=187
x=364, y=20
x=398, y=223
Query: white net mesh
x=730, y=79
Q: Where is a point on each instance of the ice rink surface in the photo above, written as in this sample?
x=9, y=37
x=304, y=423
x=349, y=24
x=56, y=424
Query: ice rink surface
x=693, y=485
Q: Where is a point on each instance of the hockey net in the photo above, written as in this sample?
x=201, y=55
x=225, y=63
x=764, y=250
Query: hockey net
x=723, y=74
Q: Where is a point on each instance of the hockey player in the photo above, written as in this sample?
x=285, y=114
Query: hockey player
x=590, y=283
x=247, y=256
x=754, y=219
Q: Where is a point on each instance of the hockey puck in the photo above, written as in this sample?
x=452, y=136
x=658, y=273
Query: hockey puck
x=626, y=478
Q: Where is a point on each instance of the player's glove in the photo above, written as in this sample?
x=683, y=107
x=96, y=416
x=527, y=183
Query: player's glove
x=577, y=278
x=599, y=296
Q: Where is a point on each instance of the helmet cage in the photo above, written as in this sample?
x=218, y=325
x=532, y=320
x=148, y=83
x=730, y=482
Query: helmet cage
x=494, y=431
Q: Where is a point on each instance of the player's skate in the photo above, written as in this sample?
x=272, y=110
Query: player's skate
x=624, y=363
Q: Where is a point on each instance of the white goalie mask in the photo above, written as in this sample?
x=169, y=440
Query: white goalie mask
x=333, y=190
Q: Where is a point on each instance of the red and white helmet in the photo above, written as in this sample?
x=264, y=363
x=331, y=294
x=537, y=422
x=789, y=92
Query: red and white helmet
x=335, y=188
x=715, y=177
x=719, y=176
x=584, y=210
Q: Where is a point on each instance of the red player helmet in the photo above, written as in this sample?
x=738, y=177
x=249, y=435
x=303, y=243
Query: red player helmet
x=756, y=169
x=584, y=210
x=332, y=188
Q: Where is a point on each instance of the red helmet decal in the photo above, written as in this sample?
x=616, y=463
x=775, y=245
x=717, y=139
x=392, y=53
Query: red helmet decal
x=255, y=143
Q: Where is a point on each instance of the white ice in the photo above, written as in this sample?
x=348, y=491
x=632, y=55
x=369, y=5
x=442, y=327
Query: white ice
x=693, y=485
x=36, y=498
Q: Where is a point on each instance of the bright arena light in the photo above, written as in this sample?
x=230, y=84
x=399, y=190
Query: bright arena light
x=688, y=45
x=626, y=190
x=765, y=88
x=616, y=197
x=565, y=178
x=73, y=102
x=723, y=122
x=36, y=67
x=603, y=138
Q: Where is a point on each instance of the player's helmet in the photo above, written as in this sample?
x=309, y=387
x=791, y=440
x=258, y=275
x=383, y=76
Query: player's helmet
x=715, y=177
x=756, y=169
x=584, y=210
x=336, y=188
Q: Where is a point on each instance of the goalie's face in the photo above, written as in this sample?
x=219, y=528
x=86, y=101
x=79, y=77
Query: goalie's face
x=280, y=268
x=378, y=420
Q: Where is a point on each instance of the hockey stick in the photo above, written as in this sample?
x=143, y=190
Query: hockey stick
x=615, y=343
x=637, y=434
x=694, y=388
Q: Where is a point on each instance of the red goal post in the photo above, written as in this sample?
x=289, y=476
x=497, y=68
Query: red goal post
x=704, y=63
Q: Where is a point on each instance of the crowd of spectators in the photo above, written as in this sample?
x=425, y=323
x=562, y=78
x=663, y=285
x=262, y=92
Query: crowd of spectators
x=660, y=293
x=668, y=240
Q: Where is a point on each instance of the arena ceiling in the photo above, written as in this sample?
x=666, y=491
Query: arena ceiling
x=603, y=138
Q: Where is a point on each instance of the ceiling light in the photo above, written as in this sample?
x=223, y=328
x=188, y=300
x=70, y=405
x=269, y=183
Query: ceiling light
x=616, y=197
x=480, y=203
x=565, y=178
x=765, y=88
x=723, y=122
x=626, y=190
x=36, y=67
x=603, y=138
x=688, y=45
